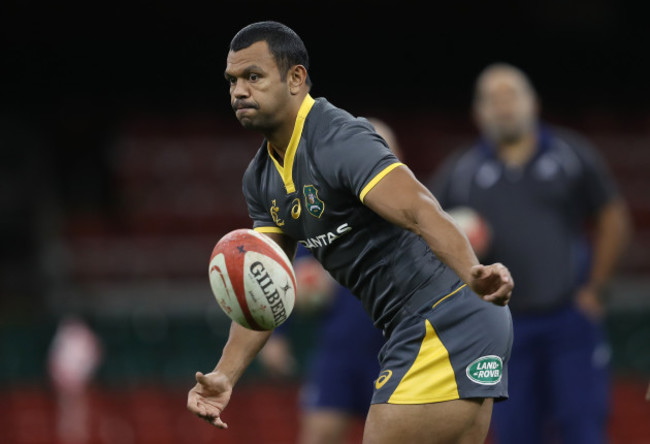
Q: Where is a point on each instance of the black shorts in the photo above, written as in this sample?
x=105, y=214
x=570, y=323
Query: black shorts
x=451, y=347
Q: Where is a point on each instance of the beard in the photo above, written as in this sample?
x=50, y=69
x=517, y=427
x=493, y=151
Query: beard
x=505, y=133
x=256, y=123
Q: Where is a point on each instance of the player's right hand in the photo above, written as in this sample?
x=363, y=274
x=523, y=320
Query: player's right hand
x=209, y=397
x=493, y=283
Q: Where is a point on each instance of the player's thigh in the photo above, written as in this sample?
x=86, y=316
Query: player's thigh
x=463, y=421
x=323, y=426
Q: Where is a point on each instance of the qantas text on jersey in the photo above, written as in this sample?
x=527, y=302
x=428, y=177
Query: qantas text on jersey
x=323, y=240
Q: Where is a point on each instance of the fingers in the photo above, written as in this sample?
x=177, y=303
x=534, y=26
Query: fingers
x=499, y=270
x=200, y=378
x=214, y=419
x=502, y=295
x=204, y=411
x=498, y=298
x=217, y=422
x=501, y=275
x=487, y=271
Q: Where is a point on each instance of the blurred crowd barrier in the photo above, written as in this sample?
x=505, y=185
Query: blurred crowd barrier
x=177, y=188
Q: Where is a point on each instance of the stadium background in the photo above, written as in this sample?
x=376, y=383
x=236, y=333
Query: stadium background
x=121, y=167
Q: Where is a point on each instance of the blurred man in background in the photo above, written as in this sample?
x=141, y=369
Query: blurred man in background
x=538, y=187
x=341, y=369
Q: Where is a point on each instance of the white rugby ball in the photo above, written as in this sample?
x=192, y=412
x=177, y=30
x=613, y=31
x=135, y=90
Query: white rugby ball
x=252, y=279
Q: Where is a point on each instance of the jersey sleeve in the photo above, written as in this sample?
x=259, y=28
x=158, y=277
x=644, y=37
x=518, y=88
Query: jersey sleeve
x=262, y=221
x=357, y=159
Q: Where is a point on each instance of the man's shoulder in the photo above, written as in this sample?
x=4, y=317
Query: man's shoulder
x=462, y=160
x=571, y=138
x=463, y=157
x=328, y=124
x=570, y=142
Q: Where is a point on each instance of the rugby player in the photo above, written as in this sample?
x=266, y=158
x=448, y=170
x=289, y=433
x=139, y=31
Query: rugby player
x=343, y=361
x=327, y=180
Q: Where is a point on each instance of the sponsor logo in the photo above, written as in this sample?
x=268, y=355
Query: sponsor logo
x=323, y=240
x=486, y=370
x=314, y=205
x=270, y=291
x=295, y=208
x=274, y=210
x=383, y=378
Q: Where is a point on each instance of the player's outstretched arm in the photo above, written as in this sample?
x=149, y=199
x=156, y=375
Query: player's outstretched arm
x=210, y=396
x=212, y=391
x=401, y=199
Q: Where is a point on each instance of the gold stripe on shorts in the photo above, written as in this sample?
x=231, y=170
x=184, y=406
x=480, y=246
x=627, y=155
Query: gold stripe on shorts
x=431, y=378
x=449, y=295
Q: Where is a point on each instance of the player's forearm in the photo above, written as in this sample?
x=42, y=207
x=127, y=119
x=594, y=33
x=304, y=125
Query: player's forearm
x=288, y=245
x=612, y=236
x=240, y=350
x=402, y=200
x=446, y=240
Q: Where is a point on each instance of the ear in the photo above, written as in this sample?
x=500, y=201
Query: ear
x=296, y=78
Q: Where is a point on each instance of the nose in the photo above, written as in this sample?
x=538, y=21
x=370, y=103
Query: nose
x=240, y=90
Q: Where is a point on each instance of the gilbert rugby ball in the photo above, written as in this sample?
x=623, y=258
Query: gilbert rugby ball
x=475, y=227
x=252, y=279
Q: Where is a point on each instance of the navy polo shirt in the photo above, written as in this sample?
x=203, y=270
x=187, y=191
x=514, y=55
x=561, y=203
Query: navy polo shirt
x=537, y=212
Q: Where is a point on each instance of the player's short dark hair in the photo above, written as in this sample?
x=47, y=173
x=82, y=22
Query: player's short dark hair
x=286, y=46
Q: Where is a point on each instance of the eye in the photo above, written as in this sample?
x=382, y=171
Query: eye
x=253, y=77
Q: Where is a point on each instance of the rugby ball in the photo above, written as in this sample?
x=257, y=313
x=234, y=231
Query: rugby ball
x=475, y=227
x=252, y=279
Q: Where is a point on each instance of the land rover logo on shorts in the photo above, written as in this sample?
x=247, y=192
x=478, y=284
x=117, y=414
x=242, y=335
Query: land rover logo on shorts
x=486, y=370
x=314, y=205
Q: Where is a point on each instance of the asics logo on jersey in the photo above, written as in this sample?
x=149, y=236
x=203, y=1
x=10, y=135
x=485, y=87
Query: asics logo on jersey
x=323, y=240
x=295, y=208
x=383, y=378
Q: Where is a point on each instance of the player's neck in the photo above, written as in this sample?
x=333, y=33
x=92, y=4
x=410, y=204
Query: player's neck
x=280, y=137
x=518, y=152
x=279, y=144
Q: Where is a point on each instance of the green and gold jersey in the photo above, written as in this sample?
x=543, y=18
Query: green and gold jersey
x=316, y=198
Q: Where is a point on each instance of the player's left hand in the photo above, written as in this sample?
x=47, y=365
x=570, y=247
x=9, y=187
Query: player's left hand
x=493, y=283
